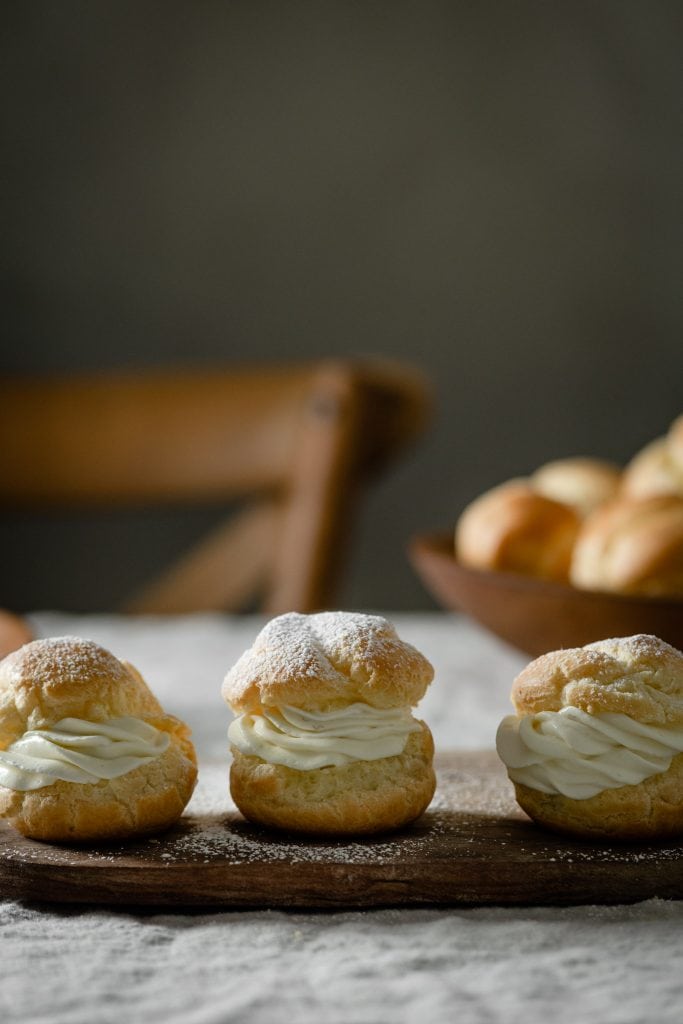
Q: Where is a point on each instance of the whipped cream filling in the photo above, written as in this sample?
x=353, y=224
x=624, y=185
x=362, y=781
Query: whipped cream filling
x=579, y=755
x=306, y=740
x=75, y=750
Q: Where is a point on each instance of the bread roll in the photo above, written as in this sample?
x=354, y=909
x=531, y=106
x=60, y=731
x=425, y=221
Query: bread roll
x=512, y=528
x=632, y=547
x=658, y=468
x=583, y=483
x=595, y=747
x=86, y=751
x=325, y=741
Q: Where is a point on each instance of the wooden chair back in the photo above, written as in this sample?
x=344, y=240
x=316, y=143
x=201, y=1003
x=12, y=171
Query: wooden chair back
x=294, y=443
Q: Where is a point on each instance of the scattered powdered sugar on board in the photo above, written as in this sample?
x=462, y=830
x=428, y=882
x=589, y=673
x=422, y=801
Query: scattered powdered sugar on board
x=471, y=816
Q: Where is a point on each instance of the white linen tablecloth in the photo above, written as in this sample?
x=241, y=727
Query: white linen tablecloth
x=92, y=965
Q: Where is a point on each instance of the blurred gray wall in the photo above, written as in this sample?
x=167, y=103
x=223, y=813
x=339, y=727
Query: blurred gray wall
x=491, y=190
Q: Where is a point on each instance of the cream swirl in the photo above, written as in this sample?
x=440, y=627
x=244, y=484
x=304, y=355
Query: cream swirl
x=75, y=750
x=306, y=740
x=579, y=755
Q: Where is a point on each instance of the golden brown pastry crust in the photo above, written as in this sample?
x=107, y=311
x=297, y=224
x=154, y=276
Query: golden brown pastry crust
x=145, y=800
x=63, y=677
x=358, y=798
x=48, y=680
x=514, y=529
x=651, y=810
x=632, y=547
x=639, y=676
x=322, y=661
x=583, y=483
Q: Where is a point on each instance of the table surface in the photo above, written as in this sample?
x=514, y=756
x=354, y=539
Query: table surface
x=94, y=965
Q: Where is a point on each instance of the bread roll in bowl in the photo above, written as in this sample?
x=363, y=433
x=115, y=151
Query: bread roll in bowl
x=512, y=528
x=658, y=467
x=675, y=440
x=86, y=750
x=595, y=747
x=632, y=547
x=325, y=741
x=583, y=483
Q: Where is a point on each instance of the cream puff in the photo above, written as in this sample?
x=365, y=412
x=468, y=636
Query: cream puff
x=595, y=747
x=512, y=528
x=583, y=483
x=325, y=741
x=632, y=547
x=86, y=751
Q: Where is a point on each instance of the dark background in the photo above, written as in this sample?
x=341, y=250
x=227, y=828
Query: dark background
x=490, y=190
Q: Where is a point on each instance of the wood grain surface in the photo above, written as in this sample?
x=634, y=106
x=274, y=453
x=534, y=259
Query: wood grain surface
x=473, y=846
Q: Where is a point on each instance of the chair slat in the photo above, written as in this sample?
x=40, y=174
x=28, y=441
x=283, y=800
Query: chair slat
x=296, y=442
x=146, y=439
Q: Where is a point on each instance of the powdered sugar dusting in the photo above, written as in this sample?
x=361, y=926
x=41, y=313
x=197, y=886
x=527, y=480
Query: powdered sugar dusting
x=641, y=647
x=61, y=660
x=325, y=649
x=288, y=648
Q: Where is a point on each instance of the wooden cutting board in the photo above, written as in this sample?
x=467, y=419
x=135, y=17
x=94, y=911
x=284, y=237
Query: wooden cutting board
x=473, y=846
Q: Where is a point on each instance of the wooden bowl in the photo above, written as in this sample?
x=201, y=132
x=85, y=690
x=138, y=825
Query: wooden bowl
x=535, y=615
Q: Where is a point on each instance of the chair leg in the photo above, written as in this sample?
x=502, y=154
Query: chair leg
x=316, y=518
